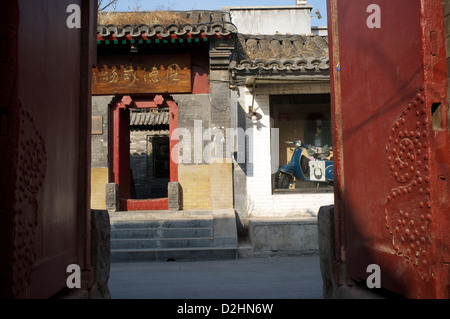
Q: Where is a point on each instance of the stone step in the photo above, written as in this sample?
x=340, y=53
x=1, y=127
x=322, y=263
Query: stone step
x=166, y=223
x=137, y=233
x=158, y=215
x=163, y=235
x=289, y=236
x=161, y=243
x=173, y=254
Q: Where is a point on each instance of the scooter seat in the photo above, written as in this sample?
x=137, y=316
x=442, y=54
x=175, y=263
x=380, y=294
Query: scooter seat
x=322, y=155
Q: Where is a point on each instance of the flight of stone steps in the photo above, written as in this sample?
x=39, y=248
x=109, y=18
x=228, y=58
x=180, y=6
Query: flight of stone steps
x=173, y=236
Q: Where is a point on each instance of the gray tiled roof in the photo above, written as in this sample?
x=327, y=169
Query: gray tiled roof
x=211, y=23
x=211, y=29
x=149, y=118
x=281, y=53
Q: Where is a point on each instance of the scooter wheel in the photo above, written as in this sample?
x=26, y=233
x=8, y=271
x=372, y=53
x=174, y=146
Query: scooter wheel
x=284, y=181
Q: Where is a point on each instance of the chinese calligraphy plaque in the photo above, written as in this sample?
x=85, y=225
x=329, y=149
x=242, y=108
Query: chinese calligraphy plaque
x=169, y=73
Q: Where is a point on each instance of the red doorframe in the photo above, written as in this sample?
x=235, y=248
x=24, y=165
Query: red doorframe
x=120, y=148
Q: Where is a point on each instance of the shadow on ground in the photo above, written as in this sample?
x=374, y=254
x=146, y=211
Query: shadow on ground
x=247, y=278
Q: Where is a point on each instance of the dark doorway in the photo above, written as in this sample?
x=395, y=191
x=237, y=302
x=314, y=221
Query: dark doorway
x=141, y=148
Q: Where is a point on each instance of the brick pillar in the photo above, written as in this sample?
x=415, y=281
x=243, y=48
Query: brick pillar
x=112, y=197
x=220, y=54
x=174, y=194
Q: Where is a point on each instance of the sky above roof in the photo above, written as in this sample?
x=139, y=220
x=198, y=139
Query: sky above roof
x=183, y=5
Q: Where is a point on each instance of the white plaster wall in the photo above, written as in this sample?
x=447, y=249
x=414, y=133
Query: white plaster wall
x=261, y=201
x=272, y=20
x=322, y=31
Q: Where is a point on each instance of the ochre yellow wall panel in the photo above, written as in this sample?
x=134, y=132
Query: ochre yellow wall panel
x=195, y=185
x=206, y=186
x=221, y=185
x=99, y=179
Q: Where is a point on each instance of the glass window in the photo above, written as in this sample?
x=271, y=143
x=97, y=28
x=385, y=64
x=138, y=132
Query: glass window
x=305, y=143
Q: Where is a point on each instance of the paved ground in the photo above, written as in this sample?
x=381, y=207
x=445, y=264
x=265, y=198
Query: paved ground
x=247, y=278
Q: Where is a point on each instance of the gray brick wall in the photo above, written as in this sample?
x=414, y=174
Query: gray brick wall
x=220, y=105
x=191, y=108
x=146, y=185
x=100, y=106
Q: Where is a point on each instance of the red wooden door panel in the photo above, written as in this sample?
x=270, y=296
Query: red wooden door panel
x=45, y=164
x=389, y=83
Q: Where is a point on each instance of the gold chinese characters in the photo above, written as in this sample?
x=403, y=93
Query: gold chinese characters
x=130, y=76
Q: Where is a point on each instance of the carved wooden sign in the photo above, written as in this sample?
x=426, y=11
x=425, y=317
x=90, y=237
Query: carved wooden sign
x=131, y=74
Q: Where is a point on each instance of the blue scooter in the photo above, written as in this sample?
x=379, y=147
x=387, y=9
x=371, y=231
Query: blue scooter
x=307, y=164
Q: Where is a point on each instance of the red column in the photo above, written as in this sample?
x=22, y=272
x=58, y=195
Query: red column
x=173, y=124
x=120, y=158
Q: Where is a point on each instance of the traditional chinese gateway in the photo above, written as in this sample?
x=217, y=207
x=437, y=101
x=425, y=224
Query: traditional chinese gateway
x=149, y=81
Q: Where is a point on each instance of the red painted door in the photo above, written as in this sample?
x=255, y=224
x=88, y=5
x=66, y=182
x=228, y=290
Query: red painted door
x=391, y=139
x=120, y=149
x=45, y=145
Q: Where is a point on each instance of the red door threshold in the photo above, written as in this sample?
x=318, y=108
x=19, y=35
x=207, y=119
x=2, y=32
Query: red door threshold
x=144, y=204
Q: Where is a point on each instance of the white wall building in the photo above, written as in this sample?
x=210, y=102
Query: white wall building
x=280, y=69
x=262, y=200
x=272, y=20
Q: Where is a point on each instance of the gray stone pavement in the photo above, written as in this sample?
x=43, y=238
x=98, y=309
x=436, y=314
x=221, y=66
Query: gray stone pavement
x=295, y=277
